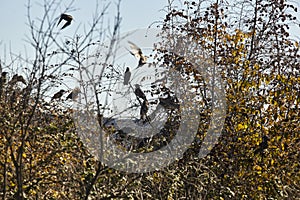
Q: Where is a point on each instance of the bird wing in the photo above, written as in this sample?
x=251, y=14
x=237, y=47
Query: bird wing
x=60, y=19
x=143, y=60
x=135, y=50
x=55, y=96
x=70, y=96
x=66, y=17
x=14, y=79
x=58, y=94
x=66, y=24
x=21, y=79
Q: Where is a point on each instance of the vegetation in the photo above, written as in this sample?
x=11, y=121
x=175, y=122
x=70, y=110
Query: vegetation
x=257, y=156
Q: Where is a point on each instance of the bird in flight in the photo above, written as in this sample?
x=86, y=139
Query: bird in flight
x=127, y=76
x=139, y=93
x=74, y=94
x=137, y=52
x=58, y=95
x=67, y=18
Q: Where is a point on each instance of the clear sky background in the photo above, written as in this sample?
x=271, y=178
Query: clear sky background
x=135, y=14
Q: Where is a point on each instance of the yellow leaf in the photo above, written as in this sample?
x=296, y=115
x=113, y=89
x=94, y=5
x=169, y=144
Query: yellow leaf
x=242, y=126
x=32, y=192
x=278, y=137
x=259, y=188
x=282, y=146
x=257, y=168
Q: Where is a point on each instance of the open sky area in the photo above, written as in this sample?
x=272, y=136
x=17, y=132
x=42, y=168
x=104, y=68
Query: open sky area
x=135, y=14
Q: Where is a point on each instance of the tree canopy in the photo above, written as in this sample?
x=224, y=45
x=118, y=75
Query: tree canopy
x=247, y=43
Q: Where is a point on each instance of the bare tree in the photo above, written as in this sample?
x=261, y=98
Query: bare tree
x=52, y=63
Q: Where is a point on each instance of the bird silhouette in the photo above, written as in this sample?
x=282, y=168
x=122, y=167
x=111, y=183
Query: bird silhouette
x=74, y=94
x=263, y=145
x=67, y=18
x=4, y=76
x=17, y=78
x=139, y=93
x=127, y=75
x=169, y=102
x=3, y=80
x=144, y=110
x=137, y=52
x=58, y=94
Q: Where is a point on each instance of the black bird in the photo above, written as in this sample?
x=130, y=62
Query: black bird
x=137, y=52
x=3, y=80
x=169, y=102
x=4, y=77
x=58, y=94
x=144, y=110
x=74, y=94
x=127, y=75
x=263, y=145
x=17, y=78
x=139, y=93
x=67, y=18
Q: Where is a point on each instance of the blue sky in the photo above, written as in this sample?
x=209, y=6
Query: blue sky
x=135, y=14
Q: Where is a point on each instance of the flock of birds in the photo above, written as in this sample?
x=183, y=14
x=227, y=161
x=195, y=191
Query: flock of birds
x=168, y=103
x=20, y=79
x=134, y=50
x=73, y=95
x=15, y=79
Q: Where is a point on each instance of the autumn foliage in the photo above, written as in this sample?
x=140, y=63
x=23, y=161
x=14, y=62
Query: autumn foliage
x=257, y=156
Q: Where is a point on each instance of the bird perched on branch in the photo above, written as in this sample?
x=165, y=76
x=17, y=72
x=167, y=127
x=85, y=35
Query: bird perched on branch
x=263, y=145
x=3, y=80
x=67, y=18
x=169, y=102
x=144, y=110
x=17, y=78
x=137, y=52
x=74, y=94
x=127, y=75
x=58, y=94
x=4, y=76
x=139, y=93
